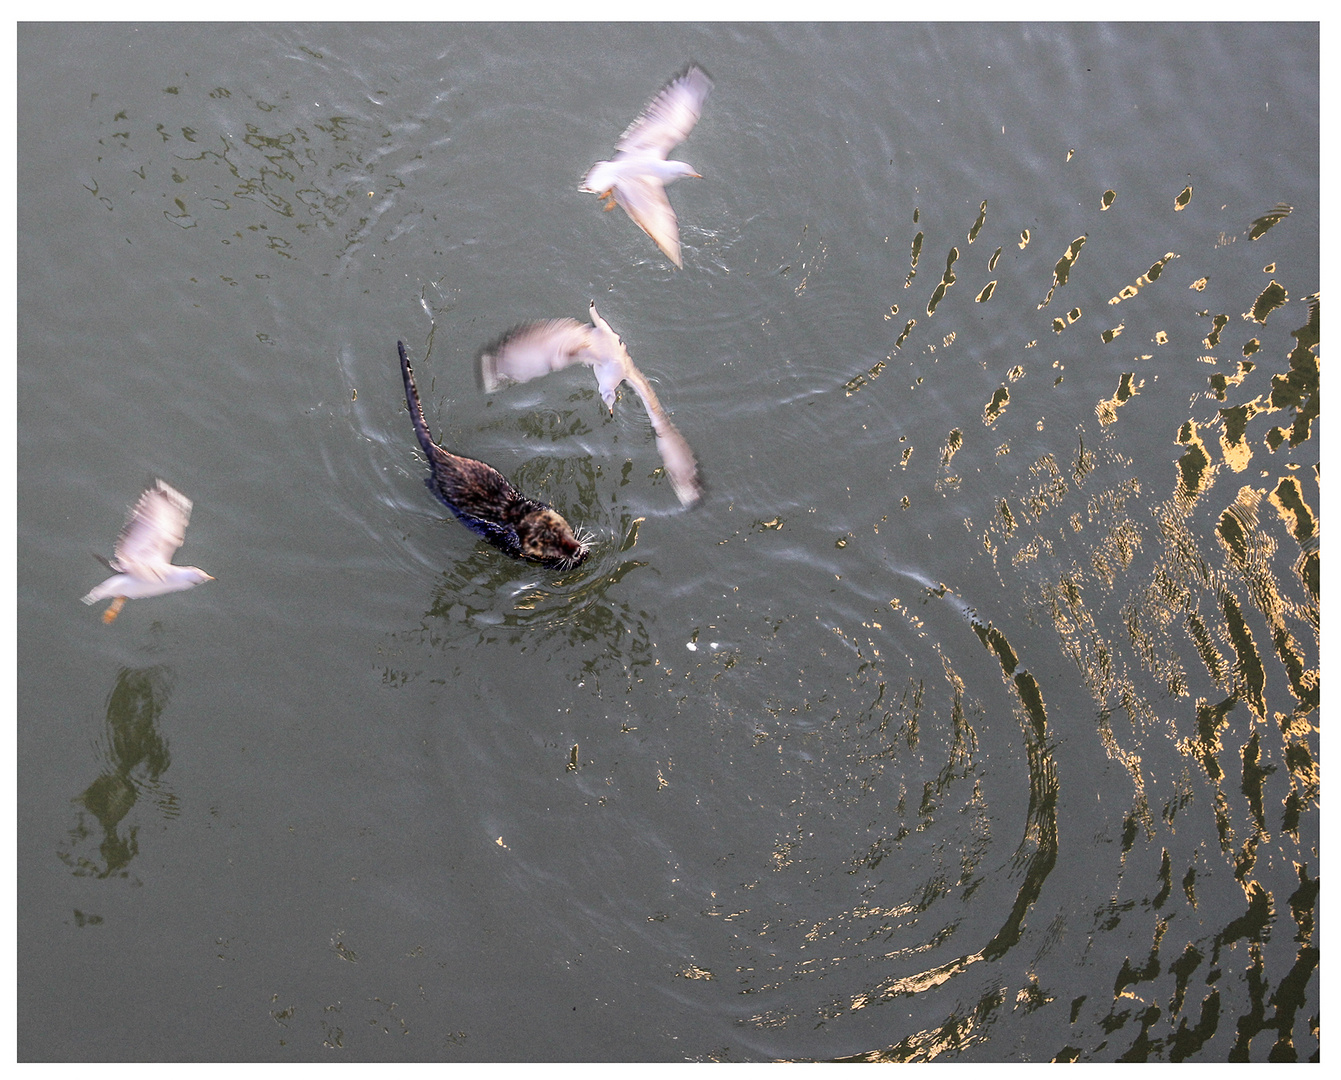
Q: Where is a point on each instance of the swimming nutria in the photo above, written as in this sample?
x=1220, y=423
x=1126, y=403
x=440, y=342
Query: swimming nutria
x=486, y=504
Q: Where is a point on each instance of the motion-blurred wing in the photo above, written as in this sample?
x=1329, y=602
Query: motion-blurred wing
x=669, y=117
x=679, y=462
x=678, y=459
x=154, y=530
x=533, y=350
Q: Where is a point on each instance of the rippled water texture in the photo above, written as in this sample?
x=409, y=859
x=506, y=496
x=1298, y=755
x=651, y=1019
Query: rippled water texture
x=972, y=715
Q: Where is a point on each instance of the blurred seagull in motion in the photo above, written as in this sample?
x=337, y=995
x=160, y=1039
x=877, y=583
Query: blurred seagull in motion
x=142, y=563
x=537, y=348
x=636, y=177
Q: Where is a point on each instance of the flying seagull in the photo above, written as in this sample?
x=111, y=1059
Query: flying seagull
x=538, y=348
x=142, y=564
x=636, y=177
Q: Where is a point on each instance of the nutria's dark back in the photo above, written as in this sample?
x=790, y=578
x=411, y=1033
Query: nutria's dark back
x=485, y=502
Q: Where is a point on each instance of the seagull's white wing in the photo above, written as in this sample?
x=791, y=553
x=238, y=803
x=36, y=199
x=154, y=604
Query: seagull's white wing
x=676, y=456
x=154, y=530
x=669, y=117
x=533, y=350
x=644, y=199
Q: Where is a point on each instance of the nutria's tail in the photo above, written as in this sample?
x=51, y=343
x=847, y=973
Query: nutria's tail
x=412, y=399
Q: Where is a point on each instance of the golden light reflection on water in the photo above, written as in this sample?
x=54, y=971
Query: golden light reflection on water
x=977, y=225
x=1061, y=273
x=1193, y=626
x=947, y=279
x=1268, y=221
x=992, y=411
x=1210, y=602
x=1128, y=386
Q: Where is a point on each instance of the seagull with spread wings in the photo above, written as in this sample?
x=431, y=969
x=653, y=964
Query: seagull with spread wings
x=537, y=348
x=637, y=176
x=142, y=563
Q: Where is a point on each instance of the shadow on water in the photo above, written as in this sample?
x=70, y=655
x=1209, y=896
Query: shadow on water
x=135, y=757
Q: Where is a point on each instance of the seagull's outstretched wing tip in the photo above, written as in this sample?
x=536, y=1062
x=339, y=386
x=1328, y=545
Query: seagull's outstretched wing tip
x=670, y=116
x=155, y=527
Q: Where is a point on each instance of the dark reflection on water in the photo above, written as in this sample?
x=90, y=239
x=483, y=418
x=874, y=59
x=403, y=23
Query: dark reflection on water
x=312, y=177
x=135, y=756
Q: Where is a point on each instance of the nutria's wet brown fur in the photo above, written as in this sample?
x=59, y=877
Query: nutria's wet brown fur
x=485, y=503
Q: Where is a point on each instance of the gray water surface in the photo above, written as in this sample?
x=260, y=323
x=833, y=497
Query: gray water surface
x=974, y=712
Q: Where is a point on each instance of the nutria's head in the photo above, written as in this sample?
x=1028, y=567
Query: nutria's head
x=546, y=538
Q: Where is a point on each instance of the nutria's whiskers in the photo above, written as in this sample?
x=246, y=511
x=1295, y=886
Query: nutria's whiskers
x=584, y=539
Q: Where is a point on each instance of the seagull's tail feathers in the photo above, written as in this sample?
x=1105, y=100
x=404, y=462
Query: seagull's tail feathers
x=100, y=591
